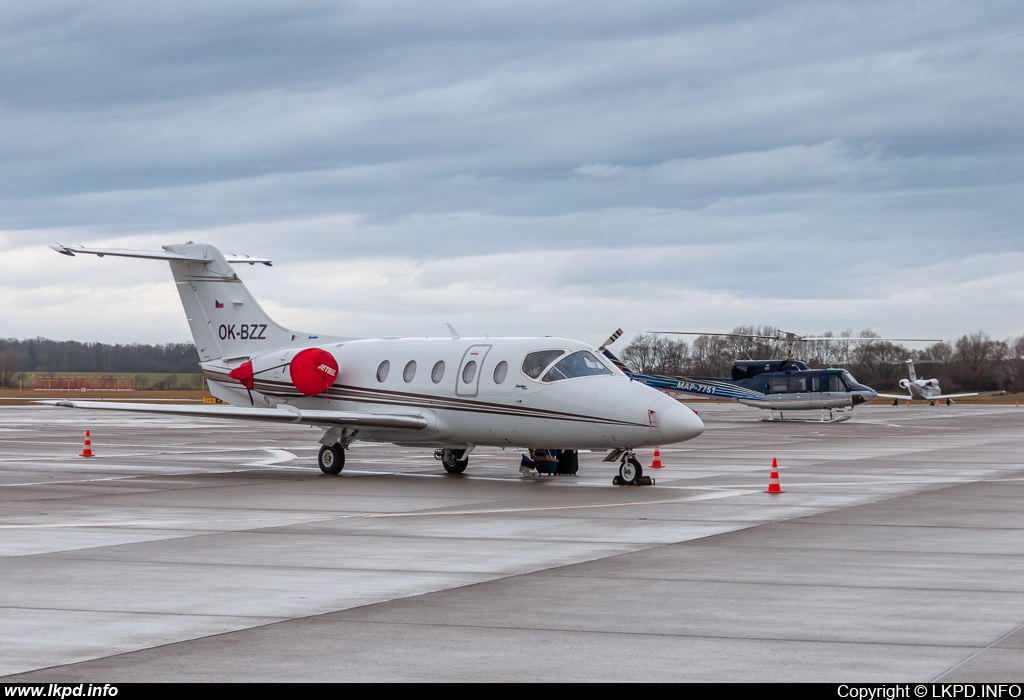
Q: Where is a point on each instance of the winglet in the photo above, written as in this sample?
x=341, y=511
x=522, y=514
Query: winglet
x=455, y=335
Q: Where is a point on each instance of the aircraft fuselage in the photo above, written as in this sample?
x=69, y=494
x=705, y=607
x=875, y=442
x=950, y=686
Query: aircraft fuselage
x=796, y=387
x=473, y=391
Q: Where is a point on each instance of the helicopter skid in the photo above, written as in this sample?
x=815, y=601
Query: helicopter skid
x=828, y=417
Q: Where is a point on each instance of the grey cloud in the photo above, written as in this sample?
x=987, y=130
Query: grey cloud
x=796, y=149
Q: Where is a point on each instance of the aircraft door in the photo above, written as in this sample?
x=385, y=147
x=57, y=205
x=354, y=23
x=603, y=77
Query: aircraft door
x=818, y=383
x=467, y=381
x=838, y=394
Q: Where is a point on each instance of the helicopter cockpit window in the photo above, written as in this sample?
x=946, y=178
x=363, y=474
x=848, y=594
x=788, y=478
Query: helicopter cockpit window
x=835, y=383
x=850, y=381
x=536, y=362
x=579, y=364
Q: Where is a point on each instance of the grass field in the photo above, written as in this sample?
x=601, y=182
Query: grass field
x=13, y=397
x=159, y=381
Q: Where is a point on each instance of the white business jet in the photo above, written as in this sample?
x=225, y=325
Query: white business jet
x=924, y=389
x=451, y=394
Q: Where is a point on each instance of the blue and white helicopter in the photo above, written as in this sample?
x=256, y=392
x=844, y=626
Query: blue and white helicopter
x=777, y=386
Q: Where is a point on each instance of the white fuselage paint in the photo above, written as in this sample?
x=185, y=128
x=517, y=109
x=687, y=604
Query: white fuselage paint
x=591, y=412
x=922, y=389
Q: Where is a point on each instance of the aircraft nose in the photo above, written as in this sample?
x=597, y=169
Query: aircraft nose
x=679, y=423
x=863, y=395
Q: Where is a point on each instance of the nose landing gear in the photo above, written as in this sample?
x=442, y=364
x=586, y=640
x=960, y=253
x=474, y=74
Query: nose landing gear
x=631, y=472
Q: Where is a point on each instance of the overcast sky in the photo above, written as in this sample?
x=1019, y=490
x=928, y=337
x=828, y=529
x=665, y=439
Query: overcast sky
x=518, y=168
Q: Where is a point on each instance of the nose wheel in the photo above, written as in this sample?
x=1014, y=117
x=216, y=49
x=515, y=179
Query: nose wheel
x=631, y=472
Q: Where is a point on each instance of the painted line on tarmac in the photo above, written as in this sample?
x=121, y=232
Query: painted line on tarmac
x=276, y=457
x=368, y=516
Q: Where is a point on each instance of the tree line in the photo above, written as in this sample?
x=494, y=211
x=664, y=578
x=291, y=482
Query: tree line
x=974, y=362
x=41, y=355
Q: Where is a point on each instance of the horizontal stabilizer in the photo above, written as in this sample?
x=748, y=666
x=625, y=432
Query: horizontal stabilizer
x=289, y=414
x=74, y=250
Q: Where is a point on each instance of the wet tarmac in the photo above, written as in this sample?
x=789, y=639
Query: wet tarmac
x=201, y=550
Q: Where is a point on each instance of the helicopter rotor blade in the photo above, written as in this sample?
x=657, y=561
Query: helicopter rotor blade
x=726, y=335
x=789, y=337
x=611, y=339
x=868, y=340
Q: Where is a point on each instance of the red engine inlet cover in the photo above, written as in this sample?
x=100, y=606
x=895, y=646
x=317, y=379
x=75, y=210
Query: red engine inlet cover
x=313, y=370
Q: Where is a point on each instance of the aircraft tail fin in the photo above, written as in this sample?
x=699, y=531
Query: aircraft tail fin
x=913, y=374
x=226, y=321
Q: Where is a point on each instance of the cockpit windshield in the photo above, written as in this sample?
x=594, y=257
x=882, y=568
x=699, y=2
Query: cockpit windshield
x=536, y=362
x=851, y=383
x=578, y=364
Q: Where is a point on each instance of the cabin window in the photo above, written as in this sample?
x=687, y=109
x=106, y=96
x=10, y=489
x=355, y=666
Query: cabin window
x=437, y=374
x=382, y=370
x=500, y=372
x=798, y=383
x=536, y=362
x=469, y=372
x=835, y=383
x=410, y=371
x=779, y=385
x=815, y=383
x=578, y=364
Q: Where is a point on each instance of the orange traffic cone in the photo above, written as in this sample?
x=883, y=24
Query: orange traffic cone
x=773, y=481
x=656, y=464
x=87, y=450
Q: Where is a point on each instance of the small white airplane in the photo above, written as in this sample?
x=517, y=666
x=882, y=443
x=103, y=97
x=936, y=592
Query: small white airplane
x=451, y=394
x=923, y=389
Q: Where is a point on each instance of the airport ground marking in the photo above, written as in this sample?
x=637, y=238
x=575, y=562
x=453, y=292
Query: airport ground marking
x=400, y=514
x=988, y=646
x=276, y=457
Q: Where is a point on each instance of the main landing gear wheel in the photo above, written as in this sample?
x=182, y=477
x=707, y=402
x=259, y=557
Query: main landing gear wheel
x=331, y=459
x=631, y=473
x=450, y=460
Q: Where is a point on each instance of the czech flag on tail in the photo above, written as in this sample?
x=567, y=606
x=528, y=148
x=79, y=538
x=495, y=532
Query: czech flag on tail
x=218, y=304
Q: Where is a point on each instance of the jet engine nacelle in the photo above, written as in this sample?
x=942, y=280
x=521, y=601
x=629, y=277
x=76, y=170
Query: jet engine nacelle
x=904, y=383
x=310, y=370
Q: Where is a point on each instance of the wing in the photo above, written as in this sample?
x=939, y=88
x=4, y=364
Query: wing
x=908, y=397
x=273, y=415
x=975, y=393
